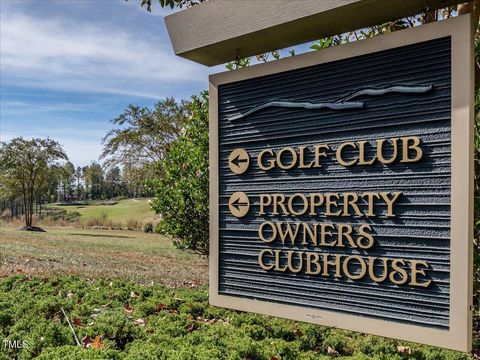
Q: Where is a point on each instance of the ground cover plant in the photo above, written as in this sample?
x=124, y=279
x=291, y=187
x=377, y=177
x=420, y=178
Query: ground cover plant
x=124, y=320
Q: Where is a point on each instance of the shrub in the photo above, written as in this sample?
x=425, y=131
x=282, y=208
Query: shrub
x=6, y=214
x=55, y=214
x=181, y=193
x=147, y=227
x=176, y=324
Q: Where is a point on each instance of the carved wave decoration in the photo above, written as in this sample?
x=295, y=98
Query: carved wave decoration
x=342, y=104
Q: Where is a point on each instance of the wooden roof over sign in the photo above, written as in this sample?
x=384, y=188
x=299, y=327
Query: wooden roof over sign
x=217, y=31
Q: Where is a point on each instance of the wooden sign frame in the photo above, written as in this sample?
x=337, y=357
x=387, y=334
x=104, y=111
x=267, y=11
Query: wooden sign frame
x=459, y=335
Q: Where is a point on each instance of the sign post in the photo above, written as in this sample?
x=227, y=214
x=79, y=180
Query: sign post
x=341, y=186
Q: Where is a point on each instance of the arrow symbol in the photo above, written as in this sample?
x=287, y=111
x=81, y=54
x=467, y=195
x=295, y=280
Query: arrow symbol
x=237, y=161
x=238, y=204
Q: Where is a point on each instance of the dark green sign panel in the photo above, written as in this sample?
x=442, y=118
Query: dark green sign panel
x=333, y=189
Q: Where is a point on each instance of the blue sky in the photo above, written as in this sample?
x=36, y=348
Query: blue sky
x=67, y=67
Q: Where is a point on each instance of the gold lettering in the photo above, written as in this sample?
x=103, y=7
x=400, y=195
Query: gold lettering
x=314, y=261
x=312, y=233
x=370, y=201
x=265, y=200
x=280, y=163
x=335, y=263
x=305, y=204
x=406, y=147
x=277, y=261
x=301, y=161
x=260, y=160
x=390, y=201
x=339, y=154
x=324, y=233
x=261, y=234
x=361, y=154
x=415, y=271
x=330, y=202
x=260, y=259
x=278, y=199
x=380, y=151
x=314, y=203
x=398, y=271
x=319, y=153
x=365, y=235
x=371, y=269
x=352, y=203
x=290, y=262
x=363, y=267
x=292, y=234
x=345, y=233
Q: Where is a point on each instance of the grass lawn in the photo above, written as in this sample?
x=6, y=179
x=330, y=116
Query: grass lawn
x=137, y=209
x=129, y=255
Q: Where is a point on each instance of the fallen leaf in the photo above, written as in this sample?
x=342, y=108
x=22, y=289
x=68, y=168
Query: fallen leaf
x=191, y=327
x=86, y=341
x=273, y=358
x=298, y=332
x=161, y=307
x=76, y=321
x=69, y=295
x=97, y=342
x=110, y=283
x=128, y=309
x=133, y=294
x=332, y=351
x=140, y=322
x=404, y=349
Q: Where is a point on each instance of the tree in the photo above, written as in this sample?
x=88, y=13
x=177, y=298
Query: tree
x=78, y=182
x=171, y=3
x=68, y=171
x=181, y=194
x=94, y=180
x=143, y=135
x=25, y=166
x=113, y=181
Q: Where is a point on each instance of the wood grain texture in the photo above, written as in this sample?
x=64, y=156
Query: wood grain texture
x=217, y=31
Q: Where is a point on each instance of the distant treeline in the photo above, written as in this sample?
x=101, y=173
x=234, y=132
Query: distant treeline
x=95, y=182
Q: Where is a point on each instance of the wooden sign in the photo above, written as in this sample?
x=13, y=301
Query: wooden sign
x=341, y=186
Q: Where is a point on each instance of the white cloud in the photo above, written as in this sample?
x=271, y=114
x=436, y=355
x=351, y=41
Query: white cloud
x=68, y=54
x=82, y=147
